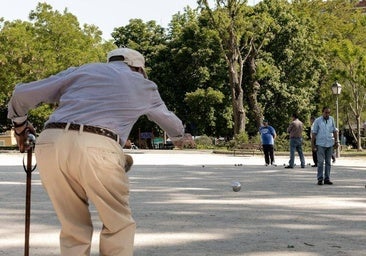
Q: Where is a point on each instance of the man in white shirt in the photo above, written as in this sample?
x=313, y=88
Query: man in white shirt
x=324, y=138
x=79, y=153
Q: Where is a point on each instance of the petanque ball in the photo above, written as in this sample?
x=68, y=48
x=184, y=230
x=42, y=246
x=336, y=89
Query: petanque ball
x=236, y=186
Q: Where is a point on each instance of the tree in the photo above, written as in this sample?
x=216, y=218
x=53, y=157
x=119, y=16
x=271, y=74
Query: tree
x=272, y=51
x=48, y=43
x=205, y=103
x=228, y=20
x=16, y=56
x=147, y=38
x=182, y=61
x=193, y=62
x=340, y=27
x=290, y=65
x=351, y=68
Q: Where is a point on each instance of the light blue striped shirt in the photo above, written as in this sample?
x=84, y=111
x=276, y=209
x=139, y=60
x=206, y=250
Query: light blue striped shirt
x=107, y=95
x=324, y=130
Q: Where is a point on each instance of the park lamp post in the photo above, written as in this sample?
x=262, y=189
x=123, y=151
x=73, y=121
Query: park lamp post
x=336, y=90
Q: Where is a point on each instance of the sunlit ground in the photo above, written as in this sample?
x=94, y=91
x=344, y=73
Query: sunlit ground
x=183, y=204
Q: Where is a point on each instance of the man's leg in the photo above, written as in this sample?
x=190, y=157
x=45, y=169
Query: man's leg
x=266, y=154
x=328, y=157
x=321, y=157
x=271, y=154
x=107, y=185
x=292, y=152
x=315, y=158
x=300, y=152
x=66, y=194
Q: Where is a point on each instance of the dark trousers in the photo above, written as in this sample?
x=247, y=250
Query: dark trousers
x=315, y=158
x=268, y=151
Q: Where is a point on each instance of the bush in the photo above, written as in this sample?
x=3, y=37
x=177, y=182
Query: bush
x=242, y=138
x=204, y=142
x=282, y=142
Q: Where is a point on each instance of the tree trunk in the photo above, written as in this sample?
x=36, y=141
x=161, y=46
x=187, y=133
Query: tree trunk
x=356, y=136
x=359, y=141
x=237, y=99
x=230, y=44
x=253, y=90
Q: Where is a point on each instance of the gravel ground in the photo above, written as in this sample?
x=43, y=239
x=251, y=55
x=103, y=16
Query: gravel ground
x=183, y=204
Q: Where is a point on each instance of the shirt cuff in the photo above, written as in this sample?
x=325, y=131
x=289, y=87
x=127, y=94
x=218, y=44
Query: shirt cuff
x=19, y=120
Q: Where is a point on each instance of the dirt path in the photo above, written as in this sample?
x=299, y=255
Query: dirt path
x=184, y=205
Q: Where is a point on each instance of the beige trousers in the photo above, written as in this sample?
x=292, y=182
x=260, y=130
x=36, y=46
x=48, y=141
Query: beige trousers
x=76, y=167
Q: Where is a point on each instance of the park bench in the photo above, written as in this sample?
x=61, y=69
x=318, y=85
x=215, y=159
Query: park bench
x=247, y=148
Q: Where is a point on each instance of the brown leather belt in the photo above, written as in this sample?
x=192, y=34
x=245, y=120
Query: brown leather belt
x=86, y=128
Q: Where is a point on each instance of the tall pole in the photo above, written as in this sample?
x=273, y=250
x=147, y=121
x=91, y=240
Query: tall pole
x=338, y=153
x=336, y=90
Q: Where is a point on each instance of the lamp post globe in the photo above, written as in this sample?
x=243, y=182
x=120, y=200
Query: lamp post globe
x=336, y=88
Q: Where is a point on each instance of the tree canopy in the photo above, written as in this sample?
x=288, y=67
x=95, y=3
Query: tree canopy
x=45, y=45
x=221, y=68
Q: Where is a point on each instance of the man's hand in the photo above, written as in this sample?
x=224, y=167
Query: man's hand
x=21, y=135
x=128, y=162
x=313, y=148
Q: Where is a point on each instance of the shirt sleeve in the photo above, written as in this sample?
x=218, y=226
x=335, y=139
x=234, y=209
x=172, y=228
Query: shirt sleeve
x=28, y=95
x=315, y=127
x=273, y=132
x=166, y=119
x=289, y=128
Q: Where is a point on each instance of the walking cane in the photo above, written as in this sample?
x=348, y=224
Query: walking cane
x=28, y=170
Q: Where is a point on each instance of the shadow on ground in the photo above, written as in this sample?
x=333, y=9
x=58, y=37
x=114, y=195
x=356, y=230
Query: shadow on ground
x=192, y=210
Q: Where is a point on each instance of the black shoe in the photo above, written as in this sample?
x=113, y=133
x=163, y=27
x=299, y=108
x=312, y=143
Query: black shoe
x=302, y=166
x=328, y=182
x=320, y=182
x=314, y=165
x=289, y=167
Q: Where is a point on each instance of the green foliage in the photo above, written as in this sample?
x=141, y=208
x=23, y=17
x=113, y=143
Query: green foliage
x=282, y=142
x=38, y=116
x=289, y=65
x=256, y=139
x=241, y=138
x=49, y=43
x=204, y=142
x=294, y=51
x=205, y=107
x=147, y=38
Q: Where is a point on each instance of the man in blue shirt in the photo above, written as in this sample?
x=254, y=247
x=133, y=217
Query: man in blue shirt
x=268, y=135
x=324, y=138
